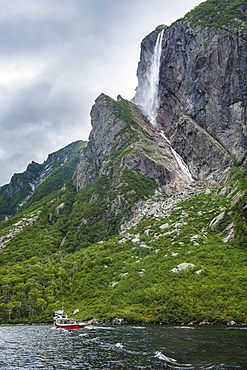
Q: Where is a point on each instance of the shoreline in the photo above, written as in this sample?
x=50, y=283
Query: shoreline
x=121, y=322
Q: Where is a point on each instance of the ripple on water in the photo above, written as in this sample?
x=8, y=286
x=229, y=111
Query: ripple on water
x=172, y=362
x=94, y=327
x=119, y=345
x=123, y=347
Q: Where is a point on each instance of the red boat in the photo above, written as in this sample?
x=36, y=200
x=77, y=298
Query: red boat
x=63, y=322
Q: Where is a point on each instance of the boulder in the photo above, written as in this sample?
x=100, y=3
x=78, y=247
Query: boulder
x=183, y=267
x=93, y=322
x=164, y=226
x=215, y=222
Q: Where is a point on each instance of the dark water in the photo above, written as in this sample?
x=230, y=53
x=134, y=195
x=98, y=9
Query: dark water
x=123, y=347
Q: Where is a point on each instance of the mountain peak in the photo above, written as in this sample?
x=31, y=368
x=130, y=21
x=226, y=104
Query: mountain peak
x=23, y=185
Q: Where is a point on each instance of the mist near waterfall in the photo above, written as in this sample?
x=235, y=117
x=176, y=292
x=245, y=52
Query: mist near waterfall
x=147, y=97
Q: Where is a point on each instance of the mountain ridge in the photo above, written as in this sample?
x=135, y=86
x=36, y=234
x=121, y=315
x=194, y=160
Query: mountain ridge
x=151, y=226
x=23, y=185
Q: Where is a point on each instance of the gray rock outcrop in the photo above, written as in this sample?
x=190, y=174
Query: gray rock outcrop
x=183, y=267
x=121, y=132
x=200, y=126
x=202, y=92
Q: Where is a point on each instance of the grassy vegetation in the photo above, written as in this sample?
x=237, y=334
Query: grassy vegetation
x=63, y=249
x=136, y=186
x=91, y=219
x=219, y=14
x=106, y=275
x=14, y=196
x=54, y=182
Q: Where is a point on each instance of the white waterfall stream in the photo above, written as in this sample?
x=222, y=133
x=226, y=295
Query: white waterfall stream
x=148, y=98
x=179, y=159
x=152, y=98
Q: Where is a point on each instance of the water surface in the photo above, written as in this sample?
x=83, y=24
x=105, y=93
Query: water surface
x=123, y=347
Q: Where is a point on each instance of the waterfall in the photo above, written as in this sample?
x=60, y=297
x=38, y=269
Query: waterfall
x=148, y=97
x=179, y=159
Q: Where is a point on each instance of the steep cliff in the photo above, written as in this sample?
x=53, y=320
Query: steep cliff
x=202, y=86
x=154, y=229
x=129, y=158
x=201, y=112
x=122, y=138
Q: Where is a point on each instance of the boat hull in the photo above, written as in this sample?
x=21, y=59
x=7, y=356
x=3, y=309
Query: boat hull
x=70, y=326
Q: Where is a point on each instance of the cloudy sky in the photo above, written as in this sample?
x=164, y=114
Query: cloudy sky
x=56, y=57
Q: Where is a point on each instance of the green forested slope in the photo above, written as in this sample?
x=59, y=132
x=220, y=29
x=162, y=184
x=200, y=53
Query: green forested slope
x=63, y=249
x=123, y=277
x=42, y=179
x=219, y=14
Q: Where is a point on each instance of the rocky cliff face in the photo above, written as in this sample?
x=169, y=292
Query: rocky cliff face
x=159, y=170
x=202, y=92
x=200, y=128
x=122, y=138
x=126, y=160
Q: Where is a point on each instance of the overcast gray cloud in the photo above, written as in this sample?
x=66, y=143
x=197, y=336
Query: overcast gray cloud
x=56, y=57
